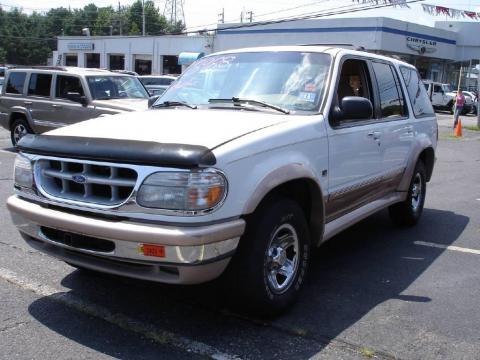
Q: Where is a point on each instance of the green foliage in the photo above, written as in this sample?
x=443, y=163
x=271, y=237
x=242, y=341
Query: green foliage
x=29, y=39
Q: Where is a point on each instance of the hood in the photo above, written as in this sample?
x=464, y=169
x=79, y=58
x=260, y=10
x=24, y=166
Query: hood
x=122, y=104
x=209, y=128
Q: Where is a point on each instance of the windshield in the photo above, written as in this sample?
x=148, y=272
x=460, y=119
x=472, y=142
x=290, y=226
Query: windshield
x=446, y=88
x=156, y=81
x=290, y=80
x=116, y=87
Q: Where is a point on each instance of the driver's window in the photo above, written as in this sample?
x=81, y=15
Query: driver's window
x=354, y=80
x=66, y=85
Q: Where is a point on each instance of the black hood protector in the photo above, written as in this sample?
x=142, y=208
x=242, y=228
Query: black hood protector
x=117, y=150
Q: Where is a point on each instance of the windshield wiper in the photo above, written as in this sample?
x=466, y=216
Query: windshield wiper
x=236, y=100
x=174, y=103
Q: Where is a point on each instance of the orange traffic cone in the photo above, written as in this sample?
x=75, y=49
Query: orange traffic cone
x=458, y=129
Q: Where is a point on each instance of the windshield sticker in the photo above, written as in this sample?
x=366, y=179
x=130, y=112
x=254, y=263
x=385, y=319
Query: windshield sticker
x=310, y=87
x=307, y=96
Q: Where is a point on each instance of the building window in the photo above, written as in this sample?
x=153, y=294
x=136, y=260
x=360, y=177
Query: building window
x=71, y=60
x=117, y=62
x=170, y=65
x=143, y=67
x=92, y=60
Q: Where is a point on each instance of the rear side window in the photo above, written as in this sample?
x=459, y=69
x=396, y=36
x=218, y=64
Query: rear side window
x=437, y=88
x=39, y=85
x=416, y=92
x=392, y=103
x=15, y=83
x=68, y=84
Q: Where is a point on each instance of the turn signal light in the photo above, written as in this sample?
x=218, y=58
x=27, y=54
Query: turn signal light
x=152, y=250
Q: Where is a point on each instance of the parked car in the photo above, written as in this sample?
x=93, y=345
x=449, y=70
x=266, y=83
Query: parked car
x=35, y=100
x=442, y=97
x=1, y=84
x=261, y=154
x=156, y=85
x=474, y=102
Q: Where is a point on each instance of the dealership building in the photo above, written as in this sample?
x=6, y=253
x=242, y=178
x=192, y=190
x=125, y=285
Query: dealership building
x=438, y=52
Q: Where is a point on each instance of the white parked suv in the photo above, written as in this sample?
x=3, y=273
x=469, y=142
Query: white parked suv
x=251, y=158
x=443, y=97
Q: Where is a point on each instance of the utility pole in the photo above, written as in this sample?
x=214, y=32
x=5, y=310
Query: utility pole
x=250, y=16
x=221, y=16
x=143, y=17
x=478, y=94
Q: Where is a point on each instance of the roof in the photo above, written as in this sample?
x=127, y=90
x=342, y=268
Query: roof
x=66, y=69
x=332, y=49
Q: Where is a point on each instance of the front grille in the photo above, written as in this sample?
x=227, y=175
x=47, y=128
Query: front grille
x=85, y=182
x=78, y=241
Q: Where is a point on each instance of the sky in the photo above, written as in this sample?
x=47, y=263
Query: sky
x=205, y=13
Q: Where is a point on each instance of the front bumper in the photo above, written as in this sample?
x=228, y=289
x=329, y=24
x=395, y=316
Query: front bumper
x=192, y=254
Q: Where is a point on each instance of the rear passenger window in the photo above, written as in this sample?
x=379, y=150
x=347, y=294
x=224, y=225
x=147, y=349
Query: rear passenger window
x=15, y=83
x=68, y=84
x=39, y=85
x=392, y=103
x=416, y=92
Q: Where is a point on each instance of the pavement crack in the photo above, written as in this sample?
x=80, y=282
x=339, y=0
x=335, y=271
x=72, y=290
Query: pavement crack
x=15, y=247
x=13, y=326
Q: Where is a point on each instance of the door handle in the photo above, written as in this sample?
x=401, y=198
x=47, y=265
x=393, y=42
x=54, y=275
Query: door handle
x=56, y=106
x=27, y=103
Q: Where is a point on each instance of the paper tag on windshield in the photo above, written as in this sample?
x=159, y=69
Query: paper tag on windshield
x=307, y=96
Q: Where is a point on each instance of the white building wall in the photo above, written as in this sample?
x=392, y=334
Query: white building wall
x=468, y=38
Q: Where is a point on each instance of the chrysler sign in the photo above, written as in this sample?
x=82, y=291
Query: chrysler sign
x=421, y=45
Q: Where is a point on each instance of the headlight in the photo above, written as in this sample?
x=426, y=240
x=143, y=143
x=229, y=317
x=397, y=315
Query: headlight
x=23, y=174
x=194, y=191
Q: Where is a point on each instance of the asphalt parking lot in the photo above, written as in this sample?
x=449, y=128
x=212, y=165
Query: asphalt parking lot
x=374, y=291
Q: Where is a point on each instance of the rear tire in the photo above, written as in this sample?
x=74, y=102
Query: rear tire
x=19, y=129
x=271, y=262
x=408, y=212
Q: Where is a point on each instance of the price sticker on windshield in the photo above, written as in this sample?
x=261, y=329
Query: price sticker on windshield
x=307, y=96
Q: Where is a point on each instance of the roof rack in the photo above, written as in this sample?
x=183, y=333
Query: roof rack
x=39, y=67
x=342, y=45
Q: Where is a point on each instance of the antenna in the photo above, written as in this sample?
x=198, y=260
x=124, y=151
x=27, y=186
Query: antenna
x=173, y=11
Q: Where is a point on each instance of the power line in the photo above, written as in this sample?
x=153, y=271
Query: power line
x=305, y=16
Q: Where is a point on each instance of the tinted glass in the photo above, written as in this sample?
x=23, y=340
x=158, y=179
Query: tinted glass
x=39, y=85
x=15, y=83
x=391, y=101
x=416, y=92
x=68, y=84
x=437, y=88
x=156, y=81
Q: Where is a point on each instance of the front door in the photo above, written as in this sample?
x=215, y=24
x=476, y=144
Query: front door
x=66, y=111
x=355, y=151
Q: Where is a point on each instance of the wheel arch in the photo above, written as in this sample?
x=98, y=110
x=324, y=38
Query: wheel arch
x=424, y=151
x=19, y=113
x=299, y=184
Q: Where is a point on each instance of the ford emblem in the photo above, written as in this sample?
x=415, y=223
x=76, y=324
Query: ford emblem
x=79, y=179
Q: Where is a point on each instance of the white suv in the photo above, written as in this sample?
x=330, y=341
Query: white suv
x=443, y=96
x=245, y=163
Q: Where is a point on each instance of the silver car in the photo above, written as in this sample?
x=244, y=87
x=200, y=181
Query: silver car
x=35, y=100
x=156, y=85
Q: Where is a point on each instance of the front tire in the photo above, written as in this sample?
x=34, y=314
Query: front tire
x=408, y=212
x=271, y=262
x=19, y=129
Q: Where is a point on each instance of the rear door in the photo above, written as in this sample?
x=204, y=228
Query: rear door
x=438, y=96
x=39, y=100
x=355, y=153
x=395, y=123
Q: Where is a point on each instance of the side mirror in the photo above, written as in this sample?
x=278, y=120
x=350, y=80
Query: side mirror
x=353, y=107
x=152, y=99
x=76, y=97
